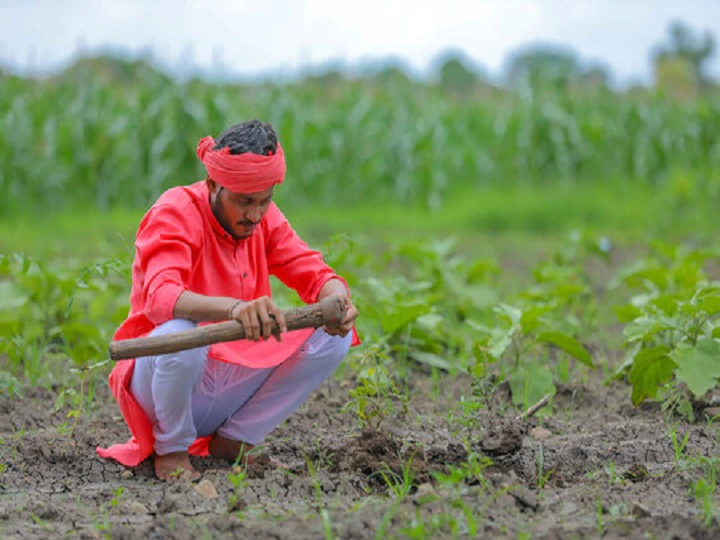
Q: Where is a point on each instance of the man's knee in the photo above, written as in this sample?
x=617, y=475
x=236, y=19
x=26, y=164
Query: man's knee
x=331, y=349
x=187, y=365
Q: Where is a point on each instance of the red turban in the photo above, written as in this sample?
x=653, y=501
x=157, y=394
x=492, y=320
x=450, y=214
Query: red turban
x=242, y=173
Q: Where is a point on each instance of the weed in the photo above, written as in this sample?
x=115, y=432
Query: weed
x=543, y=476
x=320, y=503
x=613, y=478
x=373, y=398
x=116, y=498
x=399, y=485
x=471, y=472
x=238, y=479
x=704, y=490
x=678, y=444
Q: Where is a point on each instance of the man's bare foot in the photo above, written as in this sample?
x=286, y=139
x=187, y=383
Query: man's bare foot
x=238, y=451
x=232, y=451
x=175, y=466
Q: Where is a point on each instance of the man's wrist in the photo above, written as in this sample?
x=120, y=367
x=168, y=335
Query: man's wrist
x=232, y=307
x=333, y=286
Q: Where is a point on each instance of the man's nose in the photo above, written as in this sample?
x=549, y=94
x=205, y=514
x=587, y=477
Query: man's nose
x=253, y=214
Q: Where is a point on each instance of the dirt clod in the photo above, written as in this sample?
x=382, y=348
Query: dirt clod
x=207, y=489
x=540, y=433
x=503, y=437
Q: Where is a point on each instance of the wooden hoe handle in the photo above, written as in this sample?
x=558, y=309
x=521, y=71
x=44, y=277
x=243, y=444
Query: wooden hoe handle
x=329, y=311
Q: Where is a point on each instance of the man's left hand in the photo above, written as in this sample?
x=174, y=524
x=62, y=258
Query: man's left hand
x=347, y=324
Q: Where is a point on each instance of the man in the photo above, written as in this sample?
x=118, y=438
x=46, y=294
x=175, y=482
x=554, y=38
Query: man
x=204, y=253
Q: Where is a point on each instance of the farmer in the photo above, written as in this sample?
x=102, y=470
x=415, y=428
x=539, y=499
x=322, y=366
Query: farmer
x=204, y=252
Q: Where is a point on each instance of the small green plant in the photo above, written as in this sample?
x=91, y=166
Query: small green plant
x=10, y=385
x=116, y=497
x=469, y=472
x=320, y=502
x=543, y=476
x=704, y=489
x=527, y=334
x=373, y=399
x=678, y=444
x=611, y=473
x=399, y=485
x=238, y=479
x=670, y=327
x=79, y=400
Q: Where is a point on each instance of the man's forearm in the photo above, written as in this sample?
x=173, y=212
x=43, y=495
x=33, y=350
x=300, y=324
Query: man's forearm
x=332, y=286
x=200, y=308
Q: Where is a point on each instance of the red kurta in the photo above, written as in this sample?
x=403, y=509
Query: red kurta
x=181, y=246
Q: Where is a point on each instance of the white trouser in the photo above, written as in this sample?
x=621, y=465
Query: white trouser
x=188, y=395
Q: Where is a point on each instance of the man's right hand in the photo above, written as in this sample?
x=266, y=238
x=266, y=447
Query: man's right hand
x=256, y=317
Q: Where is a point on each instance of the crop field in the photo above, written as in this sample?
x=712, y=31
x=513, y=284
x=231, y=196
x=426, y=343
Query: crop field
x=540, y=323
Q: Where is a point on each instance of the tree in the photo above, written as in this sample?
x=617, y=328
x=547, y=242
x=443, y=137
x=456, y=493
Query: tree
x=455, y=73
x=541, y=64
x=685, y=44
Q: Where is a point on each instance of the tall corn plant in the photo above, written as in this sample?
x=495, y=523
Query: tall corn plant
x=93, y=138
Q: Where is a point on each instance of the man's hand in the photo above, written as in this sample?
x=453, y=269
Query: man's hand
x=346, y=325
x=335, y=287
x=256, y=317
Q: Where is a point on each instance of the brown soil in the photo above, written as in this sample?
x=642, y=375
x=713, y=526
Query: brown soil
x=610, y=470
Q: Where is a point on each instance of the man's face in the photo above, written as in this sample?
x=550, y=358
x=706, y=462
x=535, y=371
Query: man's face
x=238, y=213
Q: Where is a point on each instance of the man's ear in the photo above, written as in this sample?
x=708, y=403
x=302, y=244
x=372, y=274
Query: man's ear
x=212, y=185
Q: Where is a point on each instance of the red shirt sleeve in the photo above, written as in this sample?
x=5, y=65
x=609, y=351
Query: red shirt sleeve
x=166, y=242
x=292, y=261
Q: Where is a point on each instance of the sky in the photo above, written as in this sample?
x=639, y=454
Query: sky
x=260, y=38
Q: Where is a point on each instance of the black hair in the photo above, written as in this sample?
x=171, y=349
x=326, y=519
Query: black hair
x=251, y=136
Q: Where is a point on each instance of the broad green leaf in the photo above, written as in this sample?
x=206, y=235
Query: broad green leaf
x=667, y=303
x=710, y=304
x=645, y=328
x=531, y=317
x=699, y=366
x=511, y=313
x=392, y=322
x=568, y=344
x=481, y=296
x=651, y=368
x=716, y=332
x=437, y=361
x=626, y=364
x=11, y=298
x=481, y=269
x=627, y=313
x=530, y=383
x=429, y=321
x=499, y=343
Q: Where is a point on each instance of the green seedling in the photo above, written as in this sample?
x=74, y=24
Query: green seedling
x=374, y=398
x=471, y=472
x=704, y=490
x=543, y=476
x=541, y=324
x=116, y=498
x=670, y=327
x=238, y=479
x=320, y=502
x=678, y=444
x=611, y=473
x=399, y=485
